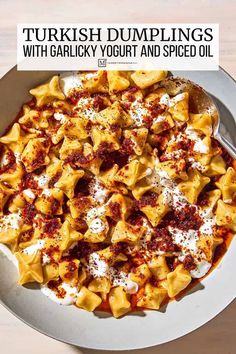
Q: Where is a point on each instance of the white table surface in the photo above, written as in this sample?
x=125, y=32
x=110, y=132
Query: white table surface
x=218, y=336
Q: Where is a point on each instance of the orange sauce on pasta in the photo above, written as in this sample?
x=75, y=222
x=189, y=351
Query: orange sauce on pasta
x=218, y=255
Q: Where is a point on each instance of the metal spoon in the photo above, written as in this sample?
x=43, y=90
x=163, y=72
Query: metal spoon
x=199, y=102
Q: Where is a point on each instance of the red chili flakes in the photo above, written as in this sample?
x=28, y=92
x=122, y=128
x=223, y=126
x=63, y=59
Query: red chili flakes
x=11, y=164
x=147, y=199
x=114, y=157
x=78, y=159
x=156, y=109
x=162, y=241
x=51, y=250
x=127, y=147
x=103, y=150
x=52, y=226
x=28, y=182
x=77, y=95
x=84, y=249
x=83, y=202
x=186, y=145
x=118, y=247
x=184, y=219
x=28, y=213
x=54, y=179
x=54, y=285
x=189, y=263
x=39, y=159
x=203, y=200
x=99, y=103
x=115, y=127
x=55, y=205
x=135, y=218
x=71, y=267
x=160, y=140
x=115, y=210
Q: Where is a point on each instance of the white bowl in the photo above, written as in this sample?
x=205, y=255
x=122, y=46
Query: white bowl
x=101, y=331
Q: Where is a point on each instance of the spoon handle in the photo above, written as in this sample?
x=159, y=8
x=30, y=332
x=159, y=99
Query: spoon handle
x=227, y=145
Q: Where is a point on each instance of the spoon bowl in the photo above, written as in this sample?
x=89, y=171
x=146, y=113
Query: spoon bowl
x=199, y=102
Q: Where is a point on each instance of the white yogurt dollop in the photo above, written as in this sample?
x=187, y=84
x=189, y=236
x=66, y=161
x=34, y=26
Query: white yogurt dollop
x=11, y=221
x=201, y=269
x=97, y=226
x=70, y=81
x=29, y=193
x=34, y=248
x=71, y=294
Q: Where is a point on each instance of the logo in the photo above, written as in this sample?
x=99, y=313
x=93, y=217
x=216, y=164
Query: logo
x=102, y=63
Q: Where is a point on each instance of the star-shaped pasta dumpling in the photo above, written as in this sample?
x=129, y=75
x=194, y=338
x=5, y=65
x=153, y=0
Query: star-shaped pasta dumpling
x=73, y=127
x=227, y=185
x=152, y=297
x=226, y=215
x=117, y=81
x=107, y=177
x=13, y=176
x=146, y=78
x=179, y=107
x=48, y=92
x=178, y=280
x=118, y=206
x=131, y=173
x=193, y=186
x=68, y=236
x=50, y=202
x=35, y=154
x=69, y=148
x=35, y=119
x=124, y=232
x=118, y=301
x=30, y=268
x=210, y=200
x=101, y=136
x=201, y=122
x=174, y=169
x=208, y=244
x=162, y=122
x=138, y=139
x=68, y=180
x=96, y=82
x=141, y=188
x=68, y=271
x=54, y=168
x=97, y=230
x=10, y=238
x=110, y=256
x=113, y=115
x=100, y=285
x=155, y=209
x=216, y=167
x=140, y=274
x=12, y=136
x=158, y=267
